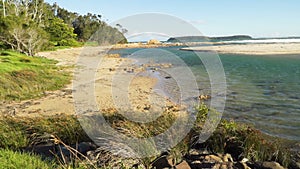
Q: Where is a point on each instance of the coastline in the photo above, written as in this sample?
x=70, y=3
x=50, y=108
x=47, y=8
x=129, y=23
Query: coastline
x=112, y=66
x=61, y=103
x=250, y=49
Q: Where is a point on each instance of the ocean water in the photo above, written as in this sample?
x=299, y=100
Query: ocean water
x=261, y=90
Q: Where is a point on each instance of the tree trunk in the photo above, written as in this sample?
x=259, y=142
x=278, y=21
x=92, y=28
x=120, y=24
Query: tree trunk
x=4, y=8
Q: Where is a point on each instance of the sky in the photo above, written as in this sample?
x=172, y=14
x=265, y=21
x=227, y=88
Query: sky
x=257, y=18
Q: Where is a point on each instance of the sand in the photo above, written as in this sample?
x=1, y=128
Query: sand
x=252, y=49
x=139, y=88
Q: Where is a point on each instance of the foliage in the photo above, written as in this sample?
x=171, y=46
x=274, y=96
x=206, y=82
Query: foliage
x=33, y=25
x=90, y=27
x=238, y=140
x=242, y=141
x=24, y=77
x=21, y=26
x=61, y=33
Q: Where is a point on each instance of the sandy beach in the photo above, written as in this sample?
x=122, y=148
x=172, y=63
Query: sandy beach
x=251, y=49
x=139, y=88
x=111, y=76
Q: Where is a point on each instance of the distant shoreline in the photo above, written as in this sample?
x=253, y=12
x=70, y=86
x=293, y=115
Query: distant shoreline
x=250, y=49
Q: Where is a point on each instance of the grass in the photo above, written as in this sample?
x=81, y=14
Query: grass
x=245, y=141
x=23, y=77
x=15, y=160
x=16, y=133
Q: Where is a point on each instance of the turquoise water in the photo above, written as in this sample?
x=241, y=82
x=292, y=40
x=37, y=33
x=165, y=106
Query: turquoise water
x=261, y=90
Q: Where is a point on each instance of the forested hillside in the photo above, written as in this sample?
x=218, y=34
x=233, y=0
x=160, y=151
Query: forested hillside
x=30, y=26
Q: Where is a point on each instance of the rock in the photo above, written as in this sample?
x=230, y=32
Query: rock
x=228, y=165
x=147, y=107
x=12, y=112
x=112, y=56
x=213, y=158
x=204, y=97
x=112, y=69
x=183, y=165
x=129, y=70
x=153, y=42
x=103, y=158
x=162, y=162
x=227, y=158
x=52, y=151
x=297, y=165
x=217, y=166
x=244, y=160
x=199, y=165
x=235, y=149
x=198, y=152
x=241, y=165
x=272, y=165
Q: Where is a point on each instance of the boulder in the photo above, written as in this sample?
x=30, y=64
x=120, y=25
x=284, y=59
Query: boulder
x=272, y=165
x=162, y=162
x=241, y=165
x=153, y=42
x=183, y=165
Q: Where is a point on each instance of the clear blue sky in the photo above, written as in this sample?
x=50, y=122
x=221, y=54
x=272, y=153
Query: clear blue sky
x=258, y=18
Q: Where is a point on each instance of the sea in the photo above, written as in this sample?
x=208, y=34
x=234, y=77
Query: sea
x=261, y=90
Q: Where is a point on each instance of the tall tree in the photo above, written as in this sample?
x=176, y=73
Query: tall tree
x=21, y=26
x=60, y=33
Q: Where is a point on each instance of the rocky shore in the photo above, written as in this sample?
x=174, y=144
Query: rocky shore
x=61, y=102
x=196, y=158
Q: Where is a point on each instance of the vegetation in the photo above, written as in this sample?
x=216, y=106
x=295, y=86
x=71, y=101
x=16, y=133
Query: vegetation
x=17, y=133
x=27, y=27
x=238, y=140
x=23, y=77
x=10, y=159
x=33, y=25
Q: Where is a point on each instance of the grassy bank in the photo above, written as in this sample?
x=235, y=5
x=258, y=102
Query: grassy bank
x=23, y=77
x=239, y=140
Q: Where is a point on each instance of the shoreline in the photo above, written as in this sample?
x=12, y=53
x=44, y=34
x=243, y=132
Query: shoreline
x=62, y=101
x=57, y=102
x=250, y=49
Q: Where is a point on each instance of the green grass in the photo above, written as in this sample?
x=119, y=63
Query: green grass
x=23, y=77
x=16, y=133
x=15, y=160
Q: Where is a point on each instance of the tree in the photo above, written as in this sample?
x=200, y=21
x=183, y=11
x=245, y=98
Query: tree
x=60, y=33
x=22, y=36
x=29, y=26
x=90, y=27
x=21, y=26
x=4, y=8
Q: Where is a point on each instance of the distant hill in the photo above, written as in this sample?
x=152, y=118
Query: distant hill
x=209, y=39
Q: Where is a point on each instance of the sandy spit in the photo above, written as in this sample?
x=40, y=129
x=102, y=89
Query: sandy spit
x=251, y=49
